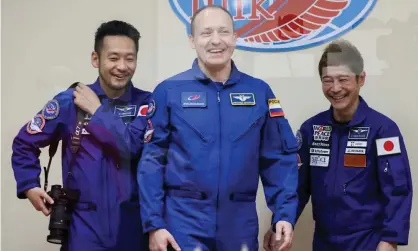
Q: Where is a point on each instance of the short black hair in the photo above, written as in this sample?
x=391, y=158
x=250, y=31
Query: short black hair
x=341, y=52
x=207, y=7
x=115, y=28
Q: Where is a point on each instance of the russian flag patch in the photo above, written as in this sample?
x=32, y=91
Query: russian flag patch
x=275, y=109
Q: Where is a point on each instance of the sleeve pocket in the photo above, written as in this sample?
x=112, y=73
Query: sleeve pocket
x=288, y=139
x=395, y=178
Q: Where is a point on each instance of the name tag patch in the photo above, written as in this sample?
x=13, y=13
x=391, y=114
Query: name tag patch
x=242, y=98
x=193, y=99
x=355, y=150
x=359, y=133
x=357, y=143
x=125, y=110
x=319, y=160
x=319, y=151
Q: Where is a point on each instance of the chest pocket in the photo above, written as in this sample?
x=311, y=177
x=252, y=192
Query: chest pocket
x=189, y=121
x=247, y=125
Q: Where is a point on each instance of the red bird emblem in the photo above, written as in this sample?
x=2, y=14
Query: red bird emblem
x=292, y=20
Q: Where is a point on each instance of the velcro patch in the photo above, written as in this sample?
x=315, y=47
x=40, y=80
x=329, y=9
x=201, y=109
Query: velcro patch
x=51, y=109
x=125, y=110
x=151, y=109
x=149, y=131
x=143, y=109
x=36, y=124
x=193, y=99
x=242, y=98
x=275, y=109
x=386, y=146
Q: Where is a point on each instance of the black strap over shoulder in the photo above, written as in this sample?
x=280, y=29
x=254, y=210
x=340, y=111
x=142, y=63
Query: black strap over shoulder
x=75, y=142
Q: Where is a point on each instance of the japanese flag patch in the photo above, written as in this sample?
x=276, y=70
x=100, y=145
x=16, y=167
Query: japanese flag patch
x=275, y=109
x=386, y=146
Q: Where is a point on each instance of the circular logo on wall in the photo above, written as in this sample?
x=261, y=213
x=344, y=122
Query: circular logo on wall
x=283, y=25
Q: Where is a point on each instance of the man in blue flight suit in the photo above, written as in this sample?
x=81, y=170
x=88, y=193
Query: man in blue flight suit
x=354, y=164
x=212, y=132
x=100, y=149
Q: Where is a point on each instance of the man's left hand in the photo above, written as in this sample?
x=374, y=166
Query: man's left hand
x=386, y=246
x=86, y=99
x=284, y=236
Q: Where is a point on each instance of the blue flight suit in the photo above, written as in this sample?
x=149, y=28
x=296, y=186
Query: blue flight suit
x=107, y=216
x=358, y=177
x=207, y=144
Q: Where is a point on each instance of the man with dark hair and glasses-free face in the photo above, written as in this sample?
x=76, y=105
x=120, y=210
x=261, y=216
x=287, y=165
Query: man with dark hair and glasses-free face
x=103, y=169
x=212, y=132
x=354, y=164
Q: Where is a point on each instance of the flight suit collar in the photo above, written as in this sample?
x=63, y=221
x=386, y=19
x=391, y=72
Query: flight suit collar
x=101, y=94
x=199, y=75
x=359, y=116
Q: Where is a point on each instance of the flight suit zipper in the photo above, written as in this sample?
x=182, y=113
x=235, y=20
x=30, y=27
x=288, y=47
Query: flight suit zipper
x=219, y=159
x=335, y=179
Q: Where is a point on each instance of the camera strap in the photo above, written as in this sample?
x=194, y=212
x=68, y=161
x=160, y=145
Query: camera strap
x=75, y=143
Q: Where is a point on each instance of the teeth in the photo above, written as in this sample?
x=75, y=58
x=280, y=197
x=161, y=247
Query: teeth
x=215, y=51
x=337, y=98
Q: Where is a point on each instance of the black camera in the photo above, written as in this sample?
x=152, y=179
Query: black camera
x=59, y=222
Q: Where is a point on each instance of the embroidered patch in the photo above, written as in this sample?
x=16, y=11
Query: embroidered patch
x=319, y=160
x=275, y=109
x=151, y=109
x=299, y=162
x=359, y=133
x=36, y=124
x=193, y=99
x=386, y=146
x=51, y=109
x=125, y=110
x=143, y=109
x=321, y=132
x=299, y=139
x=242, y=98
x=149, y=132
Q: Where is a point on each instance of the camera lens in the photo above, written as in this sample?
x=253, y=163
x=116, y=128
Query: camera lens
x=59, y=221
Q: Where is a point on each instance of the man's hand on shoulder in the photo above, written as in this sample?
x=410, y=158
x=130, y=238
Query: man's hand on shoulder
x=37, y=197
x=86, y=99
x=160, y=239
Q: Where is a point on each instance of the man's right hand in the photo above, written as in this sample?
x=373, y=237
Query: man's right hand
x=37, y=197
x=160, y=239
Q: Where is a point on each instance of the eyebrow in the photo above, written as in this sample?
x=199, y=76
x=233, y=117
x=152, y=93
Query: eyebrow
x=118, y=53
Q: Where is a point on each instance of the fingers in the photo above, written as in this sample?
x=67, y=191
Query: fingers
x=267, y=241
x=173, y=243
x=44, y=209
x=279, y=231
x=47, y=198
x=288, y=234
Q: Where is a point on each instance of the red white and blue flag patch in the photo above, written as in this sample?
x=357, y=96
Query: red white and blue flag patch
x=275, y=109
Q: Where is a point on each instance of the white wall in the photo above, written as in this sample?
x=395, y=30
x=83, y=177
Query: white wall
x=46, y=46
